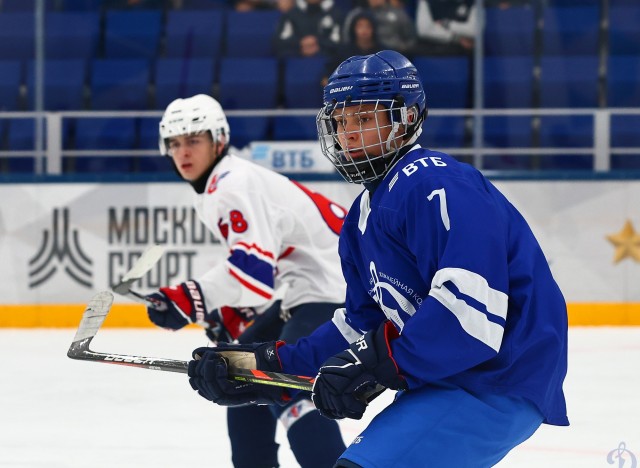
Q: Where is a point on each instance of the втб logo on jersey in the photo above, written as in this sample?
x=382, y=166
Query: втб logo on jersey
x=378, y=287
x=60, y=248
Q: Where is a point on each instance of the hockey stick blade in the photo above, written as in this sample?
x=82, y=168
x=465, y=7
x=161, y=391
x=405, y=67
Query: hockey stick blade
x=146, y=261
x=93, y=318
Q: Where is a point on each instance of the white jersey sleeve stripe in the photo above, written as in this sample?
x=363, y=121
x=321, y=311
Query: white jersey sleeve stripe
x=475, y=286
x=474, y=322
x=347, y=332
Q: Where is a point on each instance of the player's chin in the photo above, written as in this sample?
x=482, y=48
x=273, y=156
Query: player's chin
x=188, y=173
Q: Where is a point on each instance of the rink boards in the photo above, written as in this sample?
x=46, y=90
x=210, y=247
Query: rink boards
x=60, y=243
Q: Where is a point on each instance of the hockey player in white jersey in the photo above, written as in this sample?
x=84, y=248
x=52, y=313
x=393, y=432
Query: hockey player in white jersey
x=450, y=300
x=280, y=236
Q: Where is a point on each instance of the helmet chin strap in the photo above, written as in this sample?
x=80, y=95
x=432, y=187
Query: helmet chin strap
x=392, y=135
x=404, y=120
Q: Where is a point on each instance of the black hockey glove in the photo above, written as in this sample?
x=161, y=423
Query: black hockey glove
x=178, y=306
x=344, y=379
x=208, y=374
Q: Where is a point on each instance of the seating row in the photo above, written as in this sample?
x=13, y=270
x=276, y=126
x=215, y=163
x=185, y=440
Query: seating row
x=266, y=83
x=439, y=132
x=571, y=28
x=141, y=34
x=566, y=30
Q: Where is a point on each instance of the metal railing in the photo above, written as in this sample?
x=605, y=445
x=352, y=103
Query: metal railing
x=49, y=155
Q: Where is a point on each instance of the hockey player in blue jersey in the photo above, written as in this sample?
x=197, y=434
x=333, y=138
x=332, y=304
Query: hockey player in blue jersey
x=450, y=300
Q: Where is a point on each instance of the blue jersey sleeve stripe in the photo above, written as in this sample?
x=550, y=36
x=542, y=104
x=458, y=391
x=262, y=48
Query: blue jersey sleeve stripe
x=340, y=321
x=472, y=321
x=255, y=268
x=250, y=284
x=473, y=285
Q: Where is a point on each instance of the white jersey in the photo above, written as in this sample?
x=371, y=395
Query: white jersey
x=278, y=233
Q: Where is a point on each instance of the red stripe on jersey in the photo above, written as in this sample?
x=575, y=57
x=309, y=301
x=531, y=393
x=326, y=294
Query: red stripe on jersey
x=332, y=213
x=286, y=253
x=255, y=247
x=250, y=286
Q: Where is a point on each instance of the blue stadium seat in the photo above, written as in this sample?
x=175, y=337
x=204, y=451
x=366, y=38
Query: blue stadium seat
x=10, y=79
x=21, y=134
x=64, y=82
x=148, y=139
x=250, y=34
x=178, y=78
x=20, y=138
x=17, y=36
x=625, y=133
x=570, y=3
x=624, y=34
x=566, y=131
x=295, y=128
x=148, y=133
x=443, y=132
x=26, y=5
x=248, y=83
x=205, y=4
x=569, y=82
x=193, y=33
x=245, y=130
x=507, y=131
x=571, y=30
x=302, y=77
x=100, y=134
x=508, y=81
x=72, y=35
x=132, y=33
x=509, y=31
x=119, y=84
x=81, y=5
x=623, y=87
x=446, y=81
x=105, y=133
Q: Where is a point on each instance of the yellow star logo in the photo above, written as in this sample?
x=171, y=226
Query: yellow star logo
x=626, y=242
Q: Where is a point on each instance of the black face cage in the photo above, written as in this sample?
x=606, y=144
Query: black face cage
x=373, y=160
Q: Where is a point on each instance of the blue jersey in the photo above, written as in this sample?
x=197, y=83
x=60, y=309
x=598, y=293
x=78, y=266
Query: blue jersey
x=440, y=252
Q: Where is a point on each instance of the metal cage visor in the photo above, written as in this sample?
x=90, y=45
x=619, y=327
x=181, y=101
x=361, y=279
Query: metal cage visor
x=363, y=150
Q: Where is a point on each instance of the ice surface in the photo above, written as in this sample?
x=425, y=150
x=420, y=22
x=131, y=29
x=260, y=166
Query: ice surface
x=60, y=413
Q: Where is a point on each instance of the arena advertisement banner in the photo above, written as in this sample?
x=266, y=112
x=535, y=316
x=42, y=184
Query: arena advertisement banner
x=61, y=243
x=288, y=156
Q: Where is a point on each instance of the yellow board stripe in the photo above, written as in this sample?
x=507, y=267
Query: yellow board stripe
x=135, y=315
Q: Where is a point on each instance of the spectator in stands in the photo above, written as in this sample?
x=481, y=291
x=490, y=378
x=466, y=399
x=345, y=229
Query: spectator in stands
x=445, y=27
x=310, y=28
x=395, y=28
x=360, y=39
x=285, y=5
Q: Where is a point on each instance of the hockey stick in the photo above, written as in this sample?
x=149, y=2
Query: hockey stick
x=95, y=314
x=146, y=261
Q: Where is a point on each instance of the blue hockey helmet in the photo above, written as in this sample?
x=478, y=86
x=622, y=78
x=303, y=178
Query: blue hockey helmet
x=390, y=83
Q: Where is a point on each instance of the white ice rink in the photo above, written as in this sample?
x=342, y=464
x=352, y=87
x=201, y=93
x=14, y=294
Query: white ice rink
x=59, y=413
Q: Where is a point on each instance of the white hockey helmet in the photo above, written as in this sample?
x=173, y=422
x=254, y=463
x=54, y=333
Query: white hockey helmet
x=197, y=114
